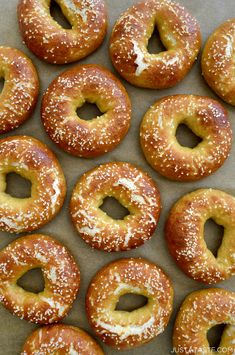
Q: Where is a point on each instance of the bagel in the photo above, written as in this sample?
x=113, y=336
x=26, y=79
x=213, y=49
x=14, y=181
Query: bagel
x=205, y=117
x=20, y=92
x=133, y=188
x=54, y=44
x=200, y=311
x=32, y=160
x=60, y=338
x=218, y=61
x=71, y=90
x=179, y=33
x=61, y=274
x=121, y=329
x=185, y=235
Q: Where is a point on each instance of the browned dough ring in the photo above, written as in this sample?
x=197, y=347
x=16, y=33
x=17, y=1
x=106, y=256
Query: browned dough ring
x=32, y=160
x=50, y=41
x=179, y=33
x=207, y=118
x=70, y=90
x=200, y=311
x=218, y=61
x=121, y=329
x=61, y=338
x=185, y=235
x=20, y=92
x=133, y=188
x=61, y=274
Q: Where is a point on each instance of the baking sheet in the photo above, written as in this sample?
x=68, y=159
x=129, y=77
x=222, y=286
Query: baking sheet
x=14, y=331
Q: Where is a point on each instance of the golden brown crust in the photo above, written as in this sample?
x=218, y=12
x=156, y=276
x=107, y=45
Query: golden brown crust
x=71, y=90
x=133, y=188
x=185, y=235
x=205, y=117
x=122, y=329
x=200, y=311
x=218, y=61
x=50, y=41
x=179, y=32
x=60, y=339
x=61, y=275
x=20, y=92
x=32, y=160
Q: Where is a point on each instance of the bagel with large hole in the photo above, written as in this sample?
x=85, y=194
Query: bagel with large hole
x=121, y=329
x=207, y=118
x=61, y=275
x=20, y=91
x=32, y=160
x=133, y=188
x=54, y=44
x=179, y=33
x=185, y=235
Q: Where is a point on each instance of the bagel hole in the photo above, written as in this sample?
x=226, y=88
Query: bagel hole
x=2, y=83
x=113, y=208
x=58, y=16
x=155, y=44
x=17, y=186
x=214, y=336
x=186, y=137
x=213, y=236
x=88, y=111
x=32, y=281
x=130, y=301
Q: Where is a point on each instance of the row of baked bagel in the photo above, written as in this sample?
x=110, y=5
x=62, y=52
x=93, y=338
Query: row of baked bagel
x=179, y=32
x=207, y=118
x=135, y=190
x=122, y=330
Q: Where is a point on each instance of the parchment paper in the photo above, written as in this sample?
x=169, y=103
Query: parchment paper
x=13, y=331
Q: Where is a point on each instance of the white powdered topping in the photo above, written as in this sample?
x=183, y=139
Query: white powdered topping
x=54, y=304
x=128, y=237
x=72, y=351
x=83, y=12
x=16, y=260
x=229, y=46
x=128, y=183
x=92, y=232
x=160, y=123
x=128, y=288
x=141, y=65
x=127, y=331
x=41, y=258
x=139, y=199
x=52, y=274
x=20, y=165
x=170, y=61
x=56, y=189
x=10, y=224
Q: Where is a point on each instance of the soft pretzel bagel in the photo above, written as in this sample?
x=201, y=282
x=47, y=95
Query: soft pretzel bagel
x=185, y=235
x=32, y=160
x=205, y=117
x=121, y=329
x=61, y=275
x=200, y=311
x=133, y=188
x=179, y=33
x=218, y=61
x=50, y=41
x=60, y=339
x=70, y=90
x=20, y=92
